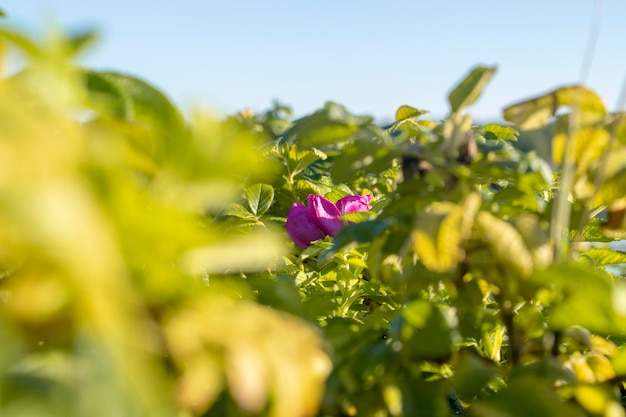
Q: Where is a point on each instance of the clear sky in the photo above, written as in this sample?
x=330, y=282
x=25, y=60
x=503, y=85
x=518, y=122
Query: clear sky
x=370, y=55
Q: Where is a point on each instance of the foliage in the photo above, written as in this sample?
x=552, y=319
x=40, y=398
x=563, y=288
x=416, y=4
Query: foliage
x=145, y=268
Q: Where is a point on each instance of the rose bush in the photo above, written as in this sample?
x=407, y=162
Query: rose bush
x=321, y=217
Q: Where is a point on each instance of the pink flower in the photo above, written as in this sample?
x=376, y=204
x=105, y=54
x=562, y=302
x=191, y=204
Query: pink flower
x=321, y=217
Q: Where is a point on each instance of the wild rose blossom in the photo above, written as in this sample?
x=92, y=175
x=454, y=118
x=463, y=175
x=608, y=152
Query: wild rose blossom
x=321, y=218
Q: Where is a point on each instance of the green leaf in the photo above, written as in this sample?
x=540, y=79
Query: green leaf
x=362, y=157
x=471, y=375
x=423, y=330
x=468, y=90
x=237, y=210
x=331, y=124
x=260, y=198
x=536, y=112
x=357, y=217
x=494, y=131
x=412, y=397
x=526, y=396
x=593, y=232
x=79, y=41
x=27, y=46
x=588, y=298
x=301, y=160
x=603, y=257
x=406, y=112
x=619, y=361
x=137, y=101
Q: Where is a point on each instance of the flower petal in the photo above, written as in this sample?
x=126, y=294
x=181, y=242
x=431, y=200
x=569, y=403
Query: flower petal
x=354, y=203
x=324, y=214
x=300, y=227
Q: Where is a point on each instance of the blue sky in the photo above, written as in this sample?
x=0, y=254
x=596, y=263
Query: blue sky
x=371, y=56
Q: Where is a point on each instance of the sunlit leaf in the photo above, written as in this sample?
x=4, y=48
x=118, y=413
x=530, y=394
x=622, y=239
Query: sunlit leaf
x=436, y=240
x=506, y=243
x=253, y=252
x=589, y=144
x=536, y=112
x=273, y=360
x=25, y=44
x=493, y=131
x=438, y=234
x=141, y=103
x=598, y=400
x=586, y=299
x=300, y=160
x=405, y=112
x=603, y=257
x=470, y=89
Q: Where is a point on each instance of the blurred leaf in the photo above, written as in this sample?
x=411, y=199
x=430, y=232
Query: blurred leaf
x=25, y=44
x=267, y=358
x=249, y=253
x=423, y=330
x=360, y=158
x=536, y=112
x=471, y=375
x=414, y=397
x=259, y=197
x=436, y=240
x=598, y=400
x=586, y=295
x=406, y=112
x=470, y=89
x=494, y=131
x=137, y=101
x=362, y=232
x=438, y=233
x=619, y=361
x=538, y=399
x=505, y=243
x=330, y=125
x=614, y=185
x=80, y=41
x=589, y=145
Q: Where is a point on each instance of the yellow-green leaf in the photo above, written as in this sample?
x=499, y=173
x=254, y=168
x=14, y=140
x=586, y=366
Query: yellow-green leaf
x=506, y=243
x=405, y=112
x=468, y=90
x=537, y=112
